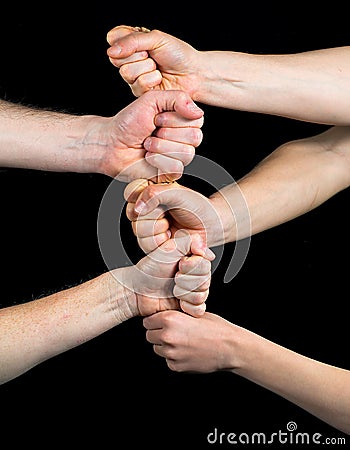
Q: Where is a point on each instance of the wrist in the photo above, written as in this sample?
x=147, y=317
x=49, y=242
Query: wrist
x=48, y=140
x=220, y=83
x=93, y=145
x=232, y=209
x=121, y=298
x=223, y=231
x=242, y=349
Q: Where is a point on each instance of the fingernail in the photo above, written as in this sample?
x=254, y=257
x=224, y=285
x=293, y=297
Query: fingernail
x=140, y=207
x=210, y=254
x=194, y=107
x=114, y=51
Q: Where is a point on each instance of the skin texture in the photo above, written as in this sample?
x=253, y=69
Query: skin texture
x=130, y=145
x=270, y=84
x=294, y=179
x=211, y=343
x=176, y=275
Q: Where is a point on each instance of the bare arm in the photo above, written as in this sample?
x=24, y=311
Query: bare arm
x=294, y=179
x=311, y=86
x=321, y=389
x=211, y=343
x=128, y=145
x=33, y=332
x=45, y=140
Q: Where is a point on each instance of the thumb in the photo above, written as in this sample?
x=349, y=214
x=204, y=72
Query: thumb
x=182, y=240
x=172, y=195
x=126, y=40
x=162, y=262
x=179, y=101
x=199, y=247
x=134, y=189
x=117, y=33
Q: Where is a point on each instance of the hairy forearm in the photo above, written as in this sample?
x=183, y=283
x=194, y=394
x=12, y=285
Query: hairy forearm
x=311, y=86
x=35, y=331
x=322, y=390
x=46, y=140
x=294, y=179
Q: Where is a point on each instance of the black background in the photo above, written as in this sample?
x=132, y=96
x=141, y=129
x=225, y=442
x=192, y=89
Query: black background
x=292, y=288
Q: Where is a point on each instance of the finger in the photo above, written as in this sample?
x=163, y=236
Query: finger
x=146, y=82
x=118, y=32
x=161, y=350
x=156, y=214
x=179, y=101
x=168, y=254
x=149, y=228
x=134, y=189
x=189, y=135
x=194, y=265
x=199, y=247
x=170, y=251
x=182, y=240
x=150, y=243
x=193, y=310
x=183, y=153
x=162, y=194
x=125, y=41
x=194, y=297
x=130, y=212
x=137, y=170
x=191, y=283
x=154, y=322
x=131, y=71
x=132, y=59
x=169, y=168
x=153, y=336
x=170, y=119
x=198, y=284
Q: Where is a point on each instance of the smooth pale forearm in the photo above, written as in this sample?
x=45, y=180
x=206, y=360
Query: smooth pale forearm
x=321, y=389
x=294, y=179
x=46, y=140
x=311, y=86
x=35, y=331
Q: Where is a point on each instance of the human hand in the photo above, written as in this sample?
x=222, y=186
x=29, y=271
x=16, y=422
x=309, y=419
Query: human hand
x=191, y=344
x=175, y=275
x=154, y=137
x=158, y=211
x=153, y=60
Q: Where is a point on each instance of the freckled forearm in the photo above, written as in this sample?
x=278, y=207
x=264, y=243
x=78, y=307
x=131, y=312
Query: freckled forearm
x=38, y=330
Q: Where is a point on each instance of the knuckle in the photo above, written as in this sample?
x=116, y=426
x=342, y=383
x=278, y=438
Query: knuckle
x=198, y=136
x=197, y=298
x=172, y=364
x=125, y=72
